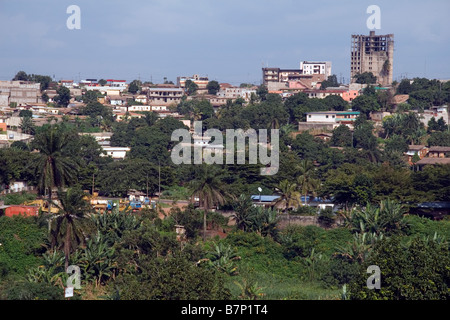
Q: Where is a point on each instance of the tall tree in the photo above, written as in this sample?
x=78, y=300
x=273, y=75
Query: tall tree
x=27, y=125
x=134, y=86
x=288, y=196
x=191, y=87
x=330, y=82
x=213, y=87
x=306, y=181
x=365, y=78
x=365, y=104
x=342, y=137
x=336, y=103
x=56, y=165
x=67, y=224
x=210, y=190
x=21, y=76
x=63, y=96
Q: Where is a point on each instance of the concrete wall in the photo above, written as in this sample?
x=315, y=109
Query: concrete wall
x=295, y=220
x=305, y=126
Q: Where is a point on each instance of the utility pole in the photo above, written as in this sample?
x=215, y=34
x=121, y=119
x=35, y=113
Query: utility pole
x=93, y=183
x=147, y=185
x=159, y=180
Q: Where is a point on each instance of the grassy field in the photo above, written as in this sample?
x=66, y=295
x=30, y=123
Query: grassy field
x=275, y=287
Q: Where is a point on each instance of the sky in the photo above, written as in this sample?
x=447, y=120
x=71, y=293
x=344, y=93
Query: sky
x=228, y=41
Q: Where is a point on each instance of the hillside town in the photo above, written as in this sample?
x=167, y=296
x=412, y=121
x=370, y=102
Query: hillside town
x=360, y=163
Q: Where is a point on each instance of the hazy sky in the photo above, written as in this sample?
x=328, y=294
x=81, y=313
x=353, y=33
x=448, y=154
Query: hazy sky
x=229, y=41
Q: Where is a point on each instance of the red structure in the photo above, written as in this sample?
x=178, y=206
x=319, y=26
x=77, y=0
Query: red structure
x=23, y=210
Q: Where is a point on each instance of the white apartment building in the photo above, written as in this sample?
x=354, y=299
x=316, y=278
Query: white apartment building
x=316, y=67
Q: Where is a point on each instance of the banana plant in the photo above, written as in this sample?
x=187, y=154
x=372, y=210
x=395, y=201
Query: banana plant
x=249, y=290
x=361, y=246
x=97, y=260
x=312, y=262
x=223, y=258
x=51, y=271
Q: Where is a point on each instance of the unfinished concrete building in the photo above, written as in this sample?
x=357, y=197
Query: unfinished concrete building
x=373, y=53
x=20, y=92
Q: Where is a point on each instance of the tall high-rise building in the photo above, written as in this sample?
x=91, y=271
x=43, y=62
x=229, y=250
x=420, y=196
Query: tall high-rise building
x=373, y=53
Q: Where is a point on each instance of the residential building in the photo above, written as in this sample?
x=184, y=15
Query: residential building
x=19, y=92
x=103, y=138
x=335, y=117
x=141, y=98
x=280, y=75
x=18, y=186
x=378, y=116
x=373, y=53
x=140, y=108
x=117, y=100
x=315, y=67
x=438, y=152
x=344, y=93
x=164, y=96
x=236, y=92
x=120, y=116
x=420, y=150
x=75, y=92
x=434, y=112
x=112, y=87
x=201, y=82
x=117, y=153
x=432, y=161
x=67, y=83
x=325, y=121
x=10, y=136
x=217, y=101
x=280, y=79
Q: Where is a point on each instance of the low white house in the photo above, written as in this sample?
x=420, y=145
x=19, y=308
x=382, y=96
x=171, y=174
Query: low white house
x=335, y=118
x=141, y=98
x=117, y=153
x=19, y=186
x=117, y=100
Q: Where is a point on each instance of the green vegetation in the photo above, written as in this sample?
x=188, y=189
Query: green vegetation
x=139, y=255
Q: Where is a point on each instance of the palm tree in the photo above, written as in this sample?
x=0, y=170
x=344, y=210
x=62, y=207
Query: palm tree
x=27, y=125
x=289, y=196
x=411, y=122
x=209, y=189
x=67, y=224
x=306, y=181
x=243, y=212
x=55, y=166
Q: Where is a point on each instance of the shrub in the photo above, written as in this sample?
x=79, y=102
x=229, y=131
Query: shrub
x=304, y=211
x=341, y=271
x=21, y=243
x=427, y=227
x=326, y=217
x=33, y=291
x=18, y=198
x=161, y=279
x=415, y=271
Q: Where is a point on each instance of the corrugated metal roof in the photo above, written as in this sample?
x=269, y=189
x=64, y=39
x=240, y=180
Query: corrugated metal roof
x=264, y=198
